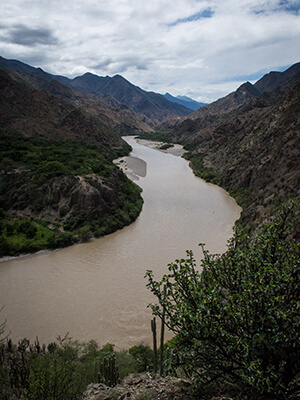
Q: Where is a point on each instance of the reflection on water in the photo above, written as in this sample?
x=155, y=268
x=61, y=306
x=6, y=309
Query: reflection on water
x=96, y=290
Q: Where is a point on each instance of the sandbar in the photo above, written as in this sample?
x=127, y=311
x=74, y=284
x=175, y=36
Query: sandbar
x=176, y=149
x=133, y=167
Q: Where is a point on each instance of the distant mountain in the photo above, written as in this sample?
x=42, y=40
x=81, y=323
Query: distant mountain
x=185, y=101
x=151, y=108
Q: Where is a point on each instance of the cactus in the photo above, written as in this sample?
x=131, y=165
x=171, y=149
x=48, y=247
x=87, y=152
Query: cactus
x=162, y=333
x=109, y=372
x=153, y=328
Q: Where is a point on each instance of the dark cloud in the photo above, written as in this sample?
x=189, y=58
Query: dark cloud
x=23, y=35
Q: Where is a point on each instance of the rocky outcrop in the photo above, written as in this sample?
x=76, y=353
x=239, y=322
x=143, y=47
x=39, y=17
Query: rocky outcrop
x=141, y=386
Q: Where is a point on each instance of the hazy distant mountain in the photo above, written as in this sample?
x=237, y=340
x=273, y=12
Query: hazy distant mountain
x=185, y=101
x=152, y=108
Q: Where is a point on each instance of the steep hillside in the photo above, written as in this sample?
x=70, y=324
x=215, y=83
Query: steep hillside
x=254, y=153
x=31, y=112
x=58, y=183
x=18, y=66
x=273, y=80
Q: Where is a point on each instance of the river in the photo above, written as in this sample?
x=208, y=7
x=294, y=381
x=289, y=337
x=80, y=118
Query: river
x=96, y=290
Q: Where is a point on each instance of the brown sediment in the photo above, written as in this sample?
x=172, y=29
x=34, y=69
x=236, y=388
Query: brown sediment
x=133, y=167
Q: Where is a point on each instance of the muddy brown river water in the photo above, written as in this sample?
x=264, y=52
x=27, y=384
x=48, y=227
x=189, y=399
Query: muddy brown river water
x=97, y=290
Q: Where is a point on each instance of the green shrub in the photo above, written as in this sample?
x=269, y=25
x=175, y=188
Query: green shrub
x=238, y=320
x=143, y=356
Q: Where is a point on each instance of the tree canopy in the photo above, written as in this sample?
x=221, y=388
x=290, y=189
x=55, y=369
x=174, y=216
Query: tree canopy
x=236, y=318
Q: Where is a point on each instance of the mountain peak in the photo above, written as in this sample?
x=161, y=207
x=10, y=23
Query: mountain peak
x=246, y=90
x=185, y=101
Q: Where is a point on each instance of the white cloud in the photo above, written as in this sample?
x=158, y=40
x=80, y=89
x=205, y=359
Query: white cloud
x=203, y=49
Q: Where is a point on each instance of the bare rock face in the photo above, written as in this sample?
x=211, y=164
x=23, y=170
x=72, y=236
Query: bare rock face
x=141, y=386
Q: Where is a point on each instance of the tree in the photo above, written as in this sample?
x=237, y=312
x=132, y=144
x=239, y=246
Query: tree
x=238, y=320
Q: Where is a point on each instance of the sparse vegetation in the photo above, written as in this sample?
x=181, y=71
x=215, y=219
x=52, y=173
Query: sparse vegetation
x=235, y=324
x=166, y=146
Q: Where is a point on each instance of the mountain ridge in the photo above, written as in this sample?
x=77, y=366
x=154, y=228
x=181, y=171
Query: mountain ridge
x=148, y=105
x=224, y=136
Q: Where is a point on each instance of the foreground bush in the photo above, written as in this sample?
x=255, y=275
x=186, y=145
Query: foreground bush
x=62, y=370
x=237, y=322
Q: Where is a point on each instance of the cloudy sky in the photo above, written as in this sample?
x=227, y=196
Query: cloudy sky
x=200, y=48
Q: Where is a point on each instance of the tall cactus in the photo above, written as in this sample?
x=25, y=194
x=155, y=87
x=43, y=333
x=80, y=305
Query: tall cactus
x=109, y=372
x=153, y=328
x=162, y=334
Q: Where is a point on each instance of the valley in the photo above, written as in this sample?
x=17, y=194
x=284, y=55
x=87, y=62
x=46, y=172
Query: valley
x=60, y=136
x=77, y=168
